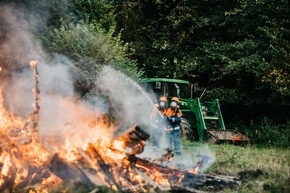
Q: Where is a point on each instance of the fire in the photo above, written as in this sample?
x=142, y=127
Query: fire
x=69, y=153
x=5, y=159
x=6, y=119
x=118, y=145
x=33, y=64
x=116, y=152
x=159, y=178
x=93, y=153
x=194, y=171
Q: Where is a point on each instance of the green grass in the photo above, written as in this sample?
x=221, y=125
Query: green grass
x=263, y=169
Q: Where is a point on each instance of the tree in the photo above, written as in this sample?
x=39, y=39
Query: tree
x=90, y=40
x=234, y=49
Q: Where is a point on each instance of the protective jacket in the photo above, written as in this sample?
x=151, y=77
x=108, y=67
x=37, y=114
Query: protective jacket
x=173, y=117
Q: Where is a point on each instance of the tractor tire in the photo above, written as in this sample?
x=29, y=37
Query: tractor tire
x=185, y=130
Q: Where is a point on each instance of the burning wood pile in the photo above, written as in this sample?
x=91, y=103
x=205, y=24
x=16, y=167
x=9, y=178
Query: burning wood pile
x=26, y=164
x=116, y=167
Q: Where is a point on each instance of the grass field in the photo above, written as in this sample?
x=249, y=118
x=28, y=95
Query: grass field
x=261, y=169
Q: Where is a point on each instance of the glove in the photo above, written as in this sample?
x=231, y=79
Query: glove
x=171, y=119
x=174, y=119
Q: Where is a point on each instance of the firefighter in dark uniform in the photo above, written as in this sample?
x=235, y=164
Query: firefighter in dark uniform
x=158, y=122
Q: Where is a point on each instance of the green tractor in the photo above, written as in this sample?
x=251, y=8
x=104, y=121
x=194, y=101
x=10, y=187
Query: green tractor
x=201, y=120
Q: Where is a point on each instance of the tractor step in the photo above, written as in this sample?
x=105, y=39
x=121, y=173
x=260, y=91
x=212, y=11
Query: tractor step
x=210, y=118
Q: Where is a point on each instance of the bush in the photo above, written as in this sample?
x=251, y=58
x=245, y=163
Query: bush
x=267, y=132
x=91, y=48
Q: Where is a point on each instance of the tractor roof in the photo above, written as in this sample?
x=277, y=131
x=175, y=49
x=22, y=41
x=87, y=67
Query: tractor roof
x=164, y=80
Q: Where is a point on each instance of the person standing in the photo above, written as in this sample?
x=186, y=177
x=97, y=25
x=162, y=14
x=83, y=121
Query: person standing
x=173, y=114
x=158, y=122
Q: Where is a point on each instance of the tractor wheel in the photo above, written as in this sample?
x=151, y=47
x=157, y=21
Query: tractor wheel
x=185, y=130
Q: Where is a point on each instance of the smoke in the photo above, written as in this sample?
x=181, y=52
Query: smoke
x=18, y=45
x=130, y=103
x=17, y=48
x=62, y=112
x=201, y=156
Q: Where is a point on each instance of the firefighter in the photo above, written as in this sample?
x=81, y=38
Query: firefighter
x=158, y=121
x=173, y=114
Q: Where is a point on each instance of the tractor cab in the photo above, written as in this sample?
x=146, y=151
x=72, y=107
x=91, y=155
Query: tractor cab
x=169, y=88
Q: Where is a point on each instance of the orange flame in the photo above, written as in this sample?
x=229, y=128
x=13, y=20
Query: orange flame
x=194, y=171
x=5, y=158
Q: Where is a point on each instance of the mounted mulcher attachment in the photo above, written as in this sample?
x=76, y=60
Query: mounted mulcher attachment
x=220, y=136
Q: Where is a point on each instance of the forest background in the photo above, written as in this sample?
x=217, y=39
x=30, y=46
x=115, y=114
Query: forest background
x=237, y=50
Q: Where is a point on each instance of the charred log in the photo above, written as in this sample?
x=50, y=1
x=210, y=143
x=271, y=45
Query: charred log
x=19, y=136
x=30, y=130
x=68, y=172
x=34, y=176
x=185, y=179
x=8, y=181
x=105, y=168
x=166, y=157
x=134, y=138
x=218, y=182
x=32, y=122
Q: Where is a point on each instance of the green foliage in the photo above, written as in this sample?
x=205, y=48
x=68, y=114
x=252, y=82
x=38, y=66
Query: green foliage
x=230, y=95
x=266, y=132
x=269, y=133
x=266, y=24
x=85, y=32
x=59, y=11
x=238, y=50
x=242, y=56
x=91, y=47
x=147, y=26
x=99, y=12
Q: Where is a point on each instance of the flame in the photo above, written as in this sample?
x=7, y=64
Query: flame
x=93, y=129
x=5, y=159
x=158, y=177
x=69, y=153
x=194, y=171
x=6, y=119
x=33, y=63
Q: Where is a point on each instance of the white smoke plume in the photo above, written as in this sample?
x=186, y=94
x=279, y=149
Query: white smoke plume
x=17, y=48
x=62, y=112
x=130, y=102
